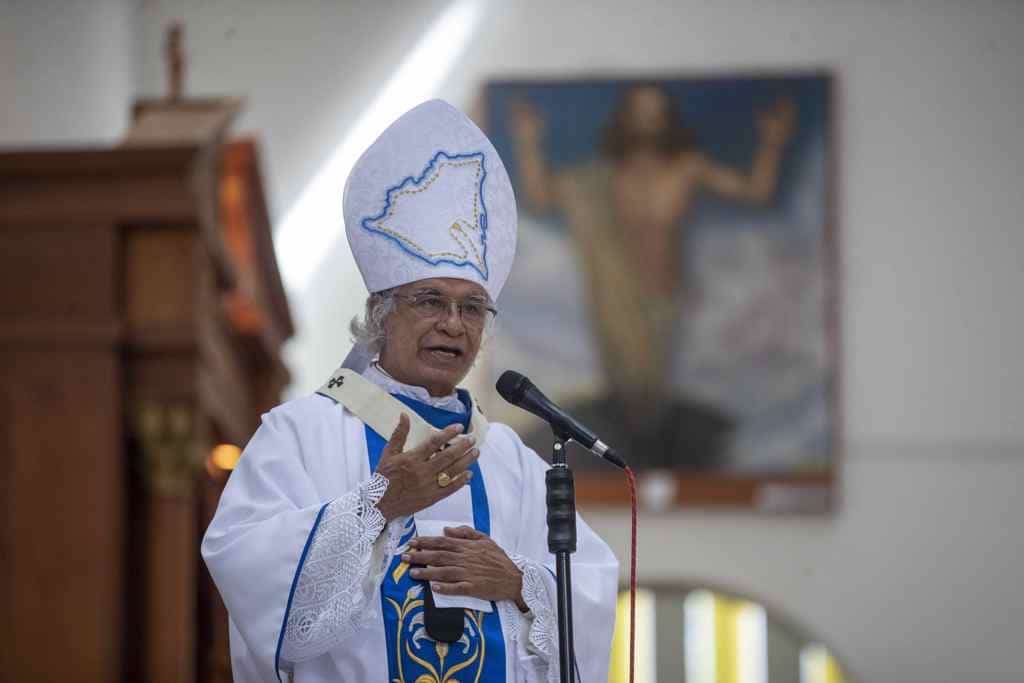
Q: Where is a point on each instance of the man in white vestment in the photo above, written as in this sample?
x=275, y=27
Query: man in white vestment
x=381, y=529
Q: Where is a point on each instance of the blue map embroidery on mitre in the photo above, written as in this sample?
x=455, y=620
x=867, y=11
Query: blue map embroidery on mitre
x=459, y=238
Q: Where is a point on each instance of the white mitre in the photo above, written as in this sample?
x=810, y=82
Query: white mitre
x=431, y=198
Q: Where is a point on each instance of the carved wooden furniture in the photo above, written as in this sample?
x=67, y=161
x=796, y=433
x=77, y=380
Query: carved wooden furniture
x=141, y=323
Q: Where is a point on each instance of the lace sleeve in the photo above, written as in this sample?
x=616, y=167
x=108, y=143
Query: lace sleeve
x=347, y=556
x=536, y=637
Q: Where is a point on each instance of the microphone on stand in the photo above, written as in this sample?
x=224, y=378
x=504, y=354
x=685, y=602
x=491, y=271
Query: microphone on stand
x=561, y=502
x=521, y=392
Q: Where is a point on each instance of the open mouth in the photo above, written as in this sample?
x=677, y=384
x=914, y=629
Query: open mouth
x=444, y=352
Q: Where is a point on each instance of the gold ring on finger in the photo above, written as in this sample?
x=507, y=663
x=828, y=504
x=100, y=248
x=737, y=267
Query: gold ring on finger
x=443, y=479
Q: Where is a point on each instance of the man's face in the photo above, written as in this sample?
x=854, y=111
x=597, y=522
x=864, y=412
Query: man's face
x=647, y=112
x=431, y=352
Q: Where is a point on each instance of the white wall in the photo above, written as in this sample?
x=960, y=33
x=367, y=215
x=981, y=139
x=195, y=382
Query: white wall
x=917, y=577
x=66, y=71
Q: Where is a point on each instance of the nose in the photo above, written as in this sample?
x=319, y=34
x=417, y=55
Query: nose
x=451, y=321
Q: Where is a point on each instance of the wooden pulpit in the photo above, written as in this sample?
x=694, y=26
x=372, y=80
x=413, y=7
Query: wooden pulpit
x=141, y=323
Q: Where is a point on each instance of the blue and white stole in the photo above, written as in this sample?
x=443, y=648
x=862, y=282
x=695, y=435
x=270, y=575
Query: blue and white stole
x=413, y=657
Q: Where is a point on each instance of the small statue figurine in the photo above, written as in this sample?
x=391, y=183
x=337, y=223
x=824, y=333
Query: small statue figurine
x=175, y=60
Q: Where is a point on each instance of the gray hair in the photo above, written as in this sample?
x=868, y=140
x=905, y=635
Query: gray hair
x=369, y=330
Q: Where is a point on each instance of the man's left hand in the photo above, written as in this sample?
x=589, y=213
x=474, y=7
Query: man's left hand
x=466, y=562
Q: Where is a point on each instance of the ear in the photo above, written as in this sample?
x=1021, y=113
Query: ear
x=386, y=325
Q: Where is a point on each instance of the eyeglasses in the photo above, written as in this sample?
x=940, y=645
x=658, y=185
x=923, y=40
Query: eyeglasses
x=475, y=313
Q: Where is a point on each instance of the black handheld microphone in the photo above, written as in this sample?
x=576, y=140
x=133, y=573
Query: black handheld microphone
x=522, y=393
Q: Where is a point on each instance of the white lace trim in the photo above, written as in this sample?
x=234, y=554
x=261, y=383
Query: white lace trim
x=331, y=595
x=513, y=618
x=543, y=628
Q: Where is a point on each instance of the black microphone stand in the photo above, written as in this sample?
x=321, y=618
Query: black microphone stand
x=561, y=499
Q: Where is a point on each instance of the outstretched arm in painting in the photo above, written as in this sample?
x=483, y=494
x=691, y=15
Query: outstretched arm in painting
x=775, y=127
x=537, y=180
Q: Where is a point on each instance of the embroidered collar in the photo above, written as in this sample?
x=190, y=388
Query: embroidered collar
x=378, y=376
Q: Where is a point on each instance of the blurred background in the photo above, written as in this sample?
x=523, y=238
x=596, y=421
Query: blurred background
x=173, y=263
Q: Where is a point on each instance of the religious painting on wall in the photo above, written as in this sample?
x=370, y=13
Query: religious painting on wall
x=675, y=283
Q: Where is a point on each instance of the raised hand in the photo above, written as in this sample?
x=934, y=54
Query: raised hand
x=415, y=479
x=776, y=123
x=466, y=562
x=526, y=124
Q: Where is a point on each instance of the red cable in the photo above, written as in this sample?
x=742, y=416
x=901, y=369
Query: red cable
x=632, y=575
